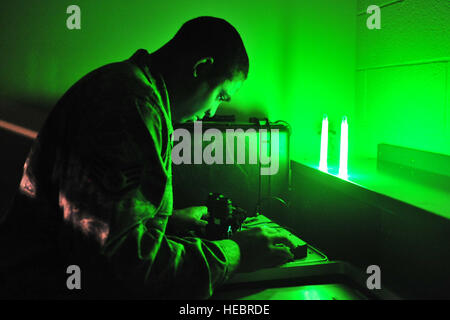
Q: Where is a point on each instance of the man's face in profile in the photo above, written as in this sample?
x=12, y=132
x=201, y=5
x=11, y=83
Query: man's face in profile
x=206, y=100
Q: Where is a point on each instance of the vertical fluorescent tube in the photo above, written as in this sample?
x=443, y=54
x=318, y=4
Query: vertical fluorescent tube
x=343, y=156
x=324, y=145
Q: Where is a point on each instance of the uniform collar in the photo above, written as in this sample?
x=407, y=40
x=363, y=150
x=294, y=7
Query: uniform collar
x=142, y=59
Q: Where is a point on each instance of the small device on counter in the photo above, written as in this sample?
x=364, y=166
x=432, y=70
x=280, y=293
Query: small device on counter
x=223, y=218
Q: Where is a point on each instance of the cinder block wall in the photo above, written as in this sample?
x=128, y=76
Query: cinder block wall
x=402, y=78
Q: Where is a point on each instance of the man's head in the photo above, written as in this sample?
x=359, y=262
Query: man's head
x=203, y=65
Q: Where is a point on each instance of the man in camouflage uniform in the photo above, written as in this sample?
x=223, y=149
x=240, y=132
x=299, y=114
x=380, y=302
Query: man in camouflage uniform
x=96, y=189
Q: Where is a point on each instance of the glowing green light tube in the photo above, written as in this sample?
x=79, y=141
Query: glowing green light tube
x=343, y=157
x=324, y=145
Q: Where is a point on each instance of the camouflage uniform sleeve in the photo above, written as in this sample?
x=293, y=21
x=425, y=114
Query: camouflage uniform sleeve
x=118, y=193
x=157, y=266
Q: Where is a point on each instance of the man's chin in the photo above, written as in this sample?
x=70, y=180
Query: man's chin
x=193, y=119
x=188, y=120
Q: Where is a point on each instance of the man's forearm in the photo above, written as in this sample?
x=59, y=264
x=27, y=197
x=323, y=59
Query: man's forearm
x=232, y=253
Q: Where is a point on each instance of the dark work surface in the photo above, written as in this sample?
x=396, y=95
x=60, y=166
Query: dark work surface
x=362, y=227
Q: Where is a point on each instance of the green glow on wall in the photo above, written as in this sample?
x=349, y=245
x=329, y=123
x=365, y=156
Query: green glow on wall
x=402, y=78
x=293, y=76
x=324, y=146
x=343, y=156
x=307, y=58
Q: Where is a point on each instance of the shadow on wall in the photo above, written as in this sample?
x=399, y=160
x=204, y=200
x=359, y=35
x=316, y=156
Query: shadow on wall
x=16, y=148
x=243, y=113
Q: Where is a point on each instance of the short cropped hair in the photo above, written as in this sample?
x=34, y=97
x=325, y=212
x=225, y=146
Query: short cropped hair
x=208, y=36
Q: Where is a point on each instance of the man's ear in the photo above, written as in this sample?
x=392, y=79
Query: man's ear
x=202, y=65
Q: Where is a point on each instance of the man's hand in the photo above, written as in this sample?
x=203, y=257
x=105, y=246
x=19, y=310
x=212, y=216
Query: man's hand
x=262, y=248
x=188, y=219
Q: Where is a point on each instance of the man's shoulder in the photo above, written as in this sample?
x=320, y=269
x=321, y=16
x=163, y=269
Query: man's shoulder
x=112, y=97
x=116, y=79
x=120, y=78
